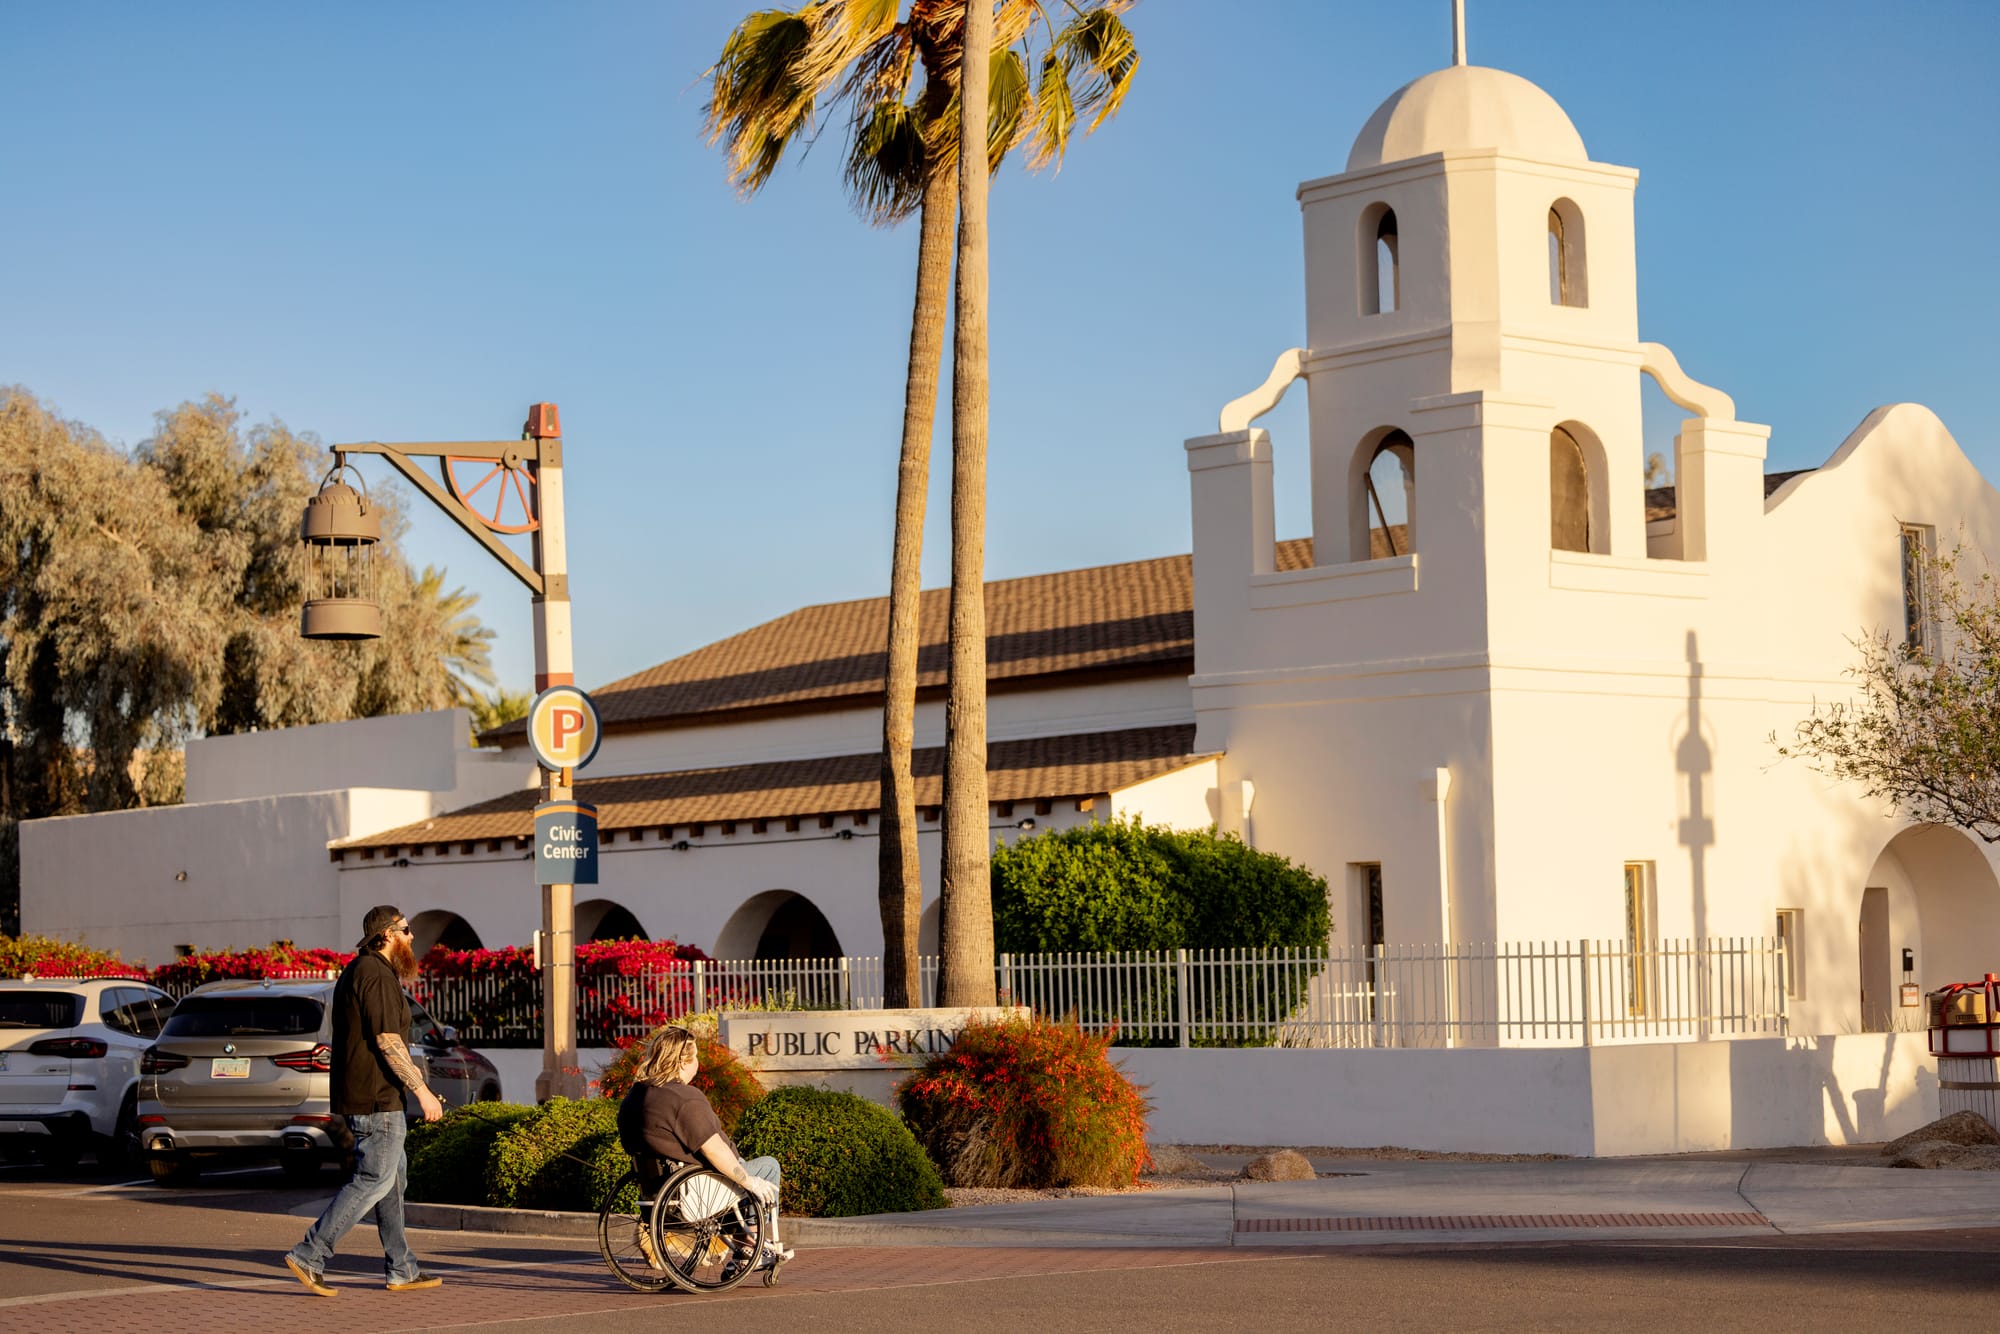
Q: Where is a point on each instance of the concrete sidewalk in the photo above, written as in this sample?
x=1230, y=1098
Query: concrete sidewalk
x=1373, y=1201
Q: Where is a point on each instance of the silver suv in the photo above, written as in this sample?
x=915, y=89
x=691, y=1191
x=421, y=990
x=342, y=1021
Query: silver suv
x=69, y=1065
x=243, y=1070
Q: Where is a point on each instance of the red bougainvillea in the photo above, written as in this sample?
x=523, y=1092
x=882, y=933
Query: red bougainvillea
x=280, y=959
x=40, y=956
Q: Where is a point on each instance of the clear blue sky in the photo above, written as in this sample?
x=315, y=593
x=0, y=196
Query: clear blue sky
x=409, y=221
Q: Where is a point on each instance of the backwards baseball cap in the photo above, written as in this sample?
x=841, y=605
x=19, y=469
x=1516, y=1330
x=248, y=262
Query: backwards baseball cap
x=379, y=919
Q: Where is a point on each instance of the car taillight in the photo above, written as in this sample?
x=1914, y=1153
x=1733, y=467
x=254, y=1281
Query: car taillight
x=74, y=1048
x=320, y=1058
x=155, y=1061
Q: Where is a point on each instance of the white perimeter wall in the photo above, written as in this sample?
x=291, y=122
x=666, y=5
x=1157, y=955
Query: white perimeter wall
x=228, y=874
x=1599, y=1101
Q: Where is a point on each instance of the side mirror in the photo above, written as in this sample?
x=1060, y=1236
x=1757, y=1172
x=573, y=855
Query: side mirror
x=450, y=1036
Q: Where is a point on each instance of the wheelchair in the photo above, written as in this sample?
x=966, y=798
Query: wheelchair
x=699, y=1232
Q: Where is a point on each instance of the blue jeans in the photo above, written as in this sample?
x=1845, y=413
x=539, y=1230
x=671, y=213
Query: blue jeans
x=381, y=1175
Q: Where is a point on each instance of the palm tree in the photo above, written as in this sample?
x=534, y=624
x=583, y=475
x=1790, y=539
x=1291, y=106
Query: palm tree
x=898, y=79
x=965, y=891
x=464, y=647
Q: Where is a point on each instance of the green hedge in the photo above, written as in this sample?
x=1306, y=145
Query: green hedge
x=1122, y=885
x=841, y=1155
x=448, y=1158
x=563, y=1155
x=1125, y=887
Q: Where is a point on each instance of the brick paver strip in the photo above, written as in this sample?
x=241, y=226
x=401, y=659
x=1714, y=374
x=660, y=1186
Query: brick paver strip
x=1470, y=1222
x=557, y=1287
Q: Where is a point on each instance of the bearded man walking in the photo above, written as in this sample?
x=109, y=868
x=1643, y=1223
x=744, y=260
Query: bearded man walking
x=372, y=1067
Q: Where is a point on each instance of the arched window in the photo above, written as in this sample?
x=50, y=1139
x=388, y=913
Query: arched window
x=1568, y=280
x=1569, y=493
x=1381, y=262
x=1392, y=497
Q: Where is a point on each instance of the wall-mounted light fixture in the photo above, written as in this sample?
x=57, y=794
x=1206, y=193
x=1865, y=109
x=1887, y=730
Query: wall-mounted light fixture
x=1028, y=823
x=402, y=861
x=682, y=845
x=843, y=834
x=180, y=875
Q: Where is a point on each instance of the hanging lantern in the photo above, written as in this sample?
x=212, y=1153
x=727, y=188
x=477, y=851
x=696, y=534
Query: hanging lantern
x=343, y=537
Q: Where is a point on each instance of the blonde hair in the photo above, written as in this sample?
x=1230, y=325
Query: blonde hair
x=666, y=1049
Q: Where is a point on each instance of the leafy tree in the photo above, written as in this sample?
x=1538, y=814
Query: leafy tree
x=898, y=79
x=1923, y=732
x=148, y=597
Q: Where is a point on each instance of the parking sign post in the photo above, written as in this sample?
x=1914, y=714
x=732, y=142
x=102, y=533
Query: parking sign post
x=495, y=488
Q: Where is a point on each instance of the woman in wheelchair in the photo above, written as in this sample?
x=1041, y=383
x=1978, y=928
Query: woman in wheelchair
x=664, y=1123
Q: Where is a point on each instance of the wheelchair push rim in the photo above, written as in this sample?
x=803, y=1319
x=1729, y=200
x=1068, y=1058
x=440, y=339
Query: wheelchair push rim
x=708, y=1232
x=622, y=1238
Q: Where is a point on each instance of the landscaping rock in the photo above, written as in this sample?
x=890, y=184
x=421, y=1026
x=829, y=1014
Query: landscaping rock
x=1171, y=1160
x=1279, y=1165
x=1958, y=1128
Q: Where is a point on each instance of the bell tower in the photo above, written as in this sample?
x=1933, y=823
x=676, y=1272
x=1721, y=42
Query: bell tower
x=1471, y=307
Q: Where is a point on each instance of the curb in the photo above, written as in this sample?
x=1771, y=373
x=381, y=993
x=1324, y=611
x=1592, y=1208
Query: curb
x=797, y=1231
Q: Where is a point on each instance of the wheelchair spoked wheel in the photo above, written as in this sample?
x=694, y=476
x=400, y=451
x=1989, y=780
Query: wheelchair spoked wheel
x=623, y=1236
x=708, y=1233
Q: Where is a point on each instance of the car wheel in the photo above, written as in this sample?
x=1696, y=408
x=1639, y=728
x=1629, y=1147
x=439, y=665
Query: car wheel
x=169, y=1170
x=120, y=1149
x=489, y=1093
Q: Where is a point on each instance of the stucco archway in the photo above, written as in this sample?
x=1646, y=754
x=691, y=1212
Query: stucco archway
x=1940, y=899
x=438, y=926
x=777, y=924
x=605, y=919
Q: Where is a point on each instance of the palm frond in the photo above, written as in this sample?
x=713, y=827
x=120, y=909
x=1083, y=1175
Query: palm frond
x=758, y=100
x=886, y=163
x=1055, y=114
x=1009, y=103
x=1098, y=46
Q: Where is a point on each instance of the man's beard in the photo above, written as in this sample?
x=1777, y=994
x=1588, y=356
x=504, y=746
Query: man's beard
x=402, y=958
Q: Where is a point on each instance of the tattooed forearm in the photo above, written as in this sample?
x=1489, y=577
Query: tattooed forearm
x=397, y=1055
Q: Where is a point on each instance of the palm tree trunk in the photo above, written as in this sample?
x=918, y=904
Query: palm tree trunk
x=900, y=887
x=966, y=916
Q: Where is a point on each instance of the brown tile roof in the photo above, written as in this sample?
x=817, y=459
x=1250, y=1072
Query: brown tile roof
x=1077, y=765
x=1138, y=616
x=1661, y=502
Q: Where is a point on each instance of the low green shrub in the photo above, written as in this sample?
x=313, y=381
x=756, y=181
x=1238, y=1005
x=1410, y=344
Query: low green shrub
x=840, y=1154
x=1027, y=1103
x=563, y=1155
x=448, y=1158
x=729, y=1085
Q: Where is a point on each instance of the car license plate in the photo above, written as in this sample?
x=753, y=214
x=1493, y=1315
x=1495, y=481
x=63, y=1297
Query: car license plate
x=229, y=1067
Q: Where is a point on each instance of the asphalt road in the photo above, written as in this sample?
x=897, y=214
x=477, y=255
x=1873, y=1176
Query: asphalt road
x=105, y=1254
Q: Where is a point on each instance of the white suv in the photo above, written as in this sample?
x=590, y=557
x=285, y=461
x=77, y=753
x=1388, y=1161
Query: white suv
x=69, y=1065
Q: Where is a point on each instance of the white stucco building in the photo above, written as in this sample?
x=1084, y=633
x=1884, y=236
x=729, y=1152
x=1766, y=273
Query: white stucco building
x=1501, y=692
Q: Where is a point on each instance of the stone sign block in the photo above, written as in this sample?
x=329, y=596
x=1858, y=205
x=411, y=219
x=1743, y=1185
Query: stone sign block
x=862, y=1051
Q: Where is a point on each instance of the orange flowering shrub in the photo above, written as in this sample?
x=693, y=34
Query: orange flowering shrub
x=727, y=1083
x=1027, y=1103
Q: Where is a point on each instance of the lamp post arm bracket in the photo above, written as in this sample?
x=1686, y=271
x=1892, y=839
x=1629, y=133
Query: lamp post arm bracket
x=447, y=502
x=528, y=449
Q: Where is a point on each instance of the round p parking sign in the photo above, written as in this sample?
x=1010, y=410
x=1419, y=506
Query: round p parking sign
x=562, y=728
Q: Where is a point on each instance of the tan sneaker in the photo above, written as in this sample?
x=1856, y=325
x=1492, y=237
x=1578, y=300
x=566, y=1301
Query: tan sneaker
x=422, y=1280
x=645, y=1237
x=318, y=1285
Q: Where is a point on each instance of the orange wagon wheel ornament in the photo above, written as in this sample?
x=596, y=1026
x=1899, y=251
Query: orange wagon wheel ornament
x=500, y=493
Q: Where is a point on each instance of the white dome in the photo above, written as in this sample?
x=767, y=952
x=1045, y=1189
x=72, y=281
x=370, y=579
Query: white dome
x=1467, y=106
